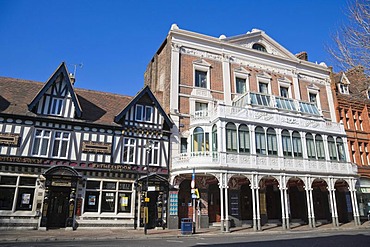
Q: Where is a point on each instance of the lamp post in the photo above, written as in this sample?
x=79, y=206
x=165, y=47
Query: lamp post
x=148, y=147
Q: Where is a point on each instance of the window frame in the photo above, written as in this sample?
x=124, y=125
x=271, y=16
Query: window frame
x=128, y=150
x=62, y=142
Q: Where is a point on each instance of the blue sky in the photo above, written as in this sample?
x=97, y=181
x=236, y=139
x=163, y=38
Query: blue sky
x=115, y=40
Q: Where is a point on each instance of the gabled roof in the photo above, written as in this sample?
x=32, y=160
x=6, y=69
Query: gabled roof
x=62, y=69
x=145, y=91
x=98, y=107
x=260, y=37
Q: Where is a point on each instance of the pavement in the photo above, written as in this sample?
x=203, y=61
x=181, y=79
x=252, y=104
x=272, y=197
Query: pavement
x=118, y=233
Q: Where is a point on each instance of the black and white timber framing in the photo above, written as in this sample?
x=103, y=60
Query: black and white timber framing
x=79, y=150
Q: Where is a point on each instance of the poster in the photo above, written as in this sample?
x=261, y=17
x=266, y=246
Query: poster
x=124, y=201
x=26, y=198
x=92, y=200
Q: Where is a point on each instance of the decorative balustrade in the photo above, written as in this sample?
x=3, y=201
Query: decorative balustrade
x=219, y=160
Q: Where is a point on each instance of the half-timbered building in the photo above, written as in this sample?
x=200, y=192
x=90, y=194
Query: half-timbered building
x=74, y=158
x=255, y=133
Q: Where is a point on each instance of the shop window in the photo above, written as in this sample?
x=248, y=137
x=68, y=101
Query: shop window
x=114, y=199
x=108, y=202
x=6, y=198
x=25, y=198
x=124, y=203
x=25, y=193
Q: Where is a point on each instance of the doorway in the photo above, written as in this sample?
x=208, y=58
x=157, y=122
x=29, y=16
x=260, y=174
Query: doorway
x=58, y=208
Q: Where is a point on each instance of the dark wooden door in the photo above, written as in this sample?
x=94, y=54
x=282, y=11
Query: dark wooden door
x=58, y=208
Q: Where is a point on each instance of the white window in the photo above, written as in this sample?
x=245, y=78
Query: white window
x=144, y=113
x=241, y=85
x=263, y=87
x=284, y=92
x=56, y=106
x=60, y=144
x=41, y=142
x=313, y=95
x=129, y=145
x=201, y=109
x=343, y=88
x=154, y=154
x=201, y=73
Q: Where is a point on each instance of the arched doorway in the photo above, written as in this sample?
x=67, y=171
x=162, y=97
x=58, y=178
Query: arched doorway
x=321, y=204
x=343, y=201
x=270, y=201
x=59, y=204
x=297, y=201
x=240, y=201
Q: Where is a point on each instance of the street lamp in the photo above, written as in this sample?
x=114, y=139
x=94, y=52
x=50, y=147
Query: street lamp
x=148, y=147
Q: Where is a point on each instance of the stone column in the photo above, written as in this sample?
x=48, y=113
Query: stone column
x=221, y=186
x=282, y=201
x=226, y=180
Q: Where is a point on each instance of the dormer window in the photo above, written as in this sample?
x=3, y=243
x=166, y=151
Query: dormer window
x=259, y=47
x=343, y=89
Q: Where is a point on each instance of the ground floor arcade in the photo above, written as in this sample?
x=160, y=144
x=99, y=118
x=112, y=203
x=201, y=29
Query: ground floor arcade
x=231, y=199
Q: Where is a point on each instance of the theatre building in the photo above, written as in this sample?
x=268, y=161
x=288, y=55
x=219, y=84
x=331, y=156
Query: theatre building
x=73, y=158
x=257, y=127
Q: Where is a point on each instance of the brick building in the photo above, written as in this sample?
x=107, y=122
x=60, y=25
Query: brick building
x=255, y=133
x=352, y=104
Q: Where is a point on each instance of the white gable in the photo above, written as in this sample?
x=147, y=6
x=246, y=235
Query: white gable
x=259, y=37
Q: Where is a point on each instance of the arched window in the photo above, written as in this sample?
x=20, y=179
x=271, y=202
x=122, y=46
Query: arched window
x=260, y=141
x=332, y=148
x=259, y=47
x=214, y=138
x=199, y=143
x=244, y=145
x=287, y=144
x=340, y=148
x=271, y=142
x=320, y=147
x=311, y=153
x=297, y=144
x=231, y=141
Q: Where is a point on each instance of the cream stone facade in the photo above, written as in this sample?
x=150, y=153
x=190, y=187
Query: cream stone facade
x=255, y=126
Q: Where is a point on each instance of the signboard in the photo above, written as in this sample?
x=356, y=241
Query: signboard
x=147, y=199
